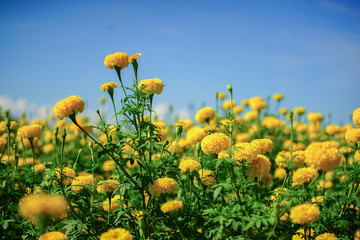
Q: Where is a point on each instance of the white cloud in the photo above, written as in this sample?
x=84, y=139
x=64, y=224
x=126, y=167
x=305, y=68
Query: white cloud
x=162, y=110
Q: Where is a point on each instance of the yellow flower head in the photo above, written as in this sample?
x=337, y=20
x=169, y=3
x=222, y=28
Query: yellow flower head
x=326, y=236
x=238, y=109
x=283, y=111
x=68, y=106
x=252, y=115
x=116, y=234
x=356, y=117
x=135, y=56
x=205, y=114
x=171, y=206
x=108, y=85
x=270, y=122
x=304, y=175
x=299, y=111
x=215, y=143
x=278, y=96
x=245, y=102
x=195, y=134
x=244, y=151
x=242, y=137
x=80, y=181
x=118, y=59
x=115, y=204
x=262, y=146
x=189, y=166
x=107, y=186
x=257, y=103
x=109, y=165
x=221, y=95
x=34, y=205
x=332, y=129
x=280, y=173
x=322, y=155
x=206, y=178
x=55, y=235
x=163, y=185
x=357, y=234
x=260, y=167
x=29, y=131
x=68, y=175
x=151, y=86
x=186, y=124
x=314, y=117
x=305, y=213
x=300, y=234
x=352, y=135
x=283, y=159
x=227, y=104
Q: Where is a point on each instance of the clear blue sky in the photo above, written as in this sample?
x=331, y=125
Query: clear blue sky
x=307, y=49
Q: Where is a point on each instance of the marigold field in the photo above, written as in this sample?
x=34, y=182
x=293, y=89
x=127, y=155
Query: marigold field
x=239, y=171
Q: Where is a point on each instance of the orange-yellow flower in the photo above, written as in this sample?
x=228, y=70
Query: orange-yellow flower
x=171, y=206
x=215, y=143
x=29, y=131
x=68, y=106
x=356, y=117
x=55, y=235
x=163, y=186
x=108, y=85
x=116, y=234
x=118, y=59
x=205, y=114
x=151, y=86
x=305, y=213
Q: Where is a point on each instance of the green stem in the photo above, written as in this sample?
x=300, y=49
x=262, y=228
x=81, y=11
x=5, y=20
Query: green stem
x=119, y=76
x=109, y=210
x=113, y=103
x=33, y=155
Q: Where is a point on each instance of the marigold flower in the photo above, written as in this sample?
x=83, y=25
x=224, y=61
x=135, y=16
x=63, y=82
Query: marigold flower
x=215, y=143
x=300, y=234
x=327, y=184
x=29, y=131
x=283, y=111
x=171, y=206
x=69, y=106
x=195, y=134
x=135, y=56
x=108, y=85
x=244, y=151
x=118, y=59
x=280, y=173
x=189, y=166
x=283, y=159
x=34, y=205
x=116, y=234
x=163, y=185
x=107, y=186
x=204, y=115
x=68, y=175
x=80, y=181
x=332, y=129
x=206, y=178
x=352, y=135
x=260, y=167
x=357, y=234
x=326, y=236
x=252, y=115
x=262, y=146
x=257, y=103
x=304, y=175
x=109, y=165
x=221, y=95
x=238, y=109
x=299, y=111
x=227, y=104
x=242, y=137
x=315, y=117
x=270, y=122
x=356, y=117
x=278, y=96
x=305, y=213
x=55, y=235
x=322, y=155
x=115, y=203
x=151, y=86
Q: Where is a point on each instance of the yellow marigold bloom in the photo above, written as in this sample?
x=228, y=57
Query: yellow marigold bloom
x=244, y=151
x=322, y=155
x=135, y=56
x=303, y=175
x=252, y=115
x=317, y=199
x=305, y=213
x=357, y=156
x=302, y=128
x=55, y=235
x=29, y=131
x=68, y=106
x=257, y=103
x=300, y=234
x=280, y=173
x=215, y=143
x=356, y=117
x=118, y=59
x=332, y=129
x=221, y=95
x=283, y=111
x=109, y=165
x=278, y=96
x=299, y=111
x=151, y=86
x=80, y=181
x=116, y=234
x=206, y=178
x=171, y=206
x=115, y=203
x=326, y=236
x=262, y=146
x=296, y=146
x=352, y=135
x=68, y=175
x=108, y=85
x=189, y=166
x=327, y=184
x=260, y=167
x=279, y=194
x=186, y=124
x=102, y=100
x=357, y=234
x=270, y=122
x=242, y=137
x=163, y=185
x=238, y=109
x=283, y=159
x=195, y=134
x=227, y=104
x=204, y=115
x=107, y=186
x=34, y=205
x=314, y=117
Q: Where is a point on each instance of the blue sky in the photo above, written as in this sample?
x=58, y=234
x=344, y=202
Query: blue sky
x=306, y=49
